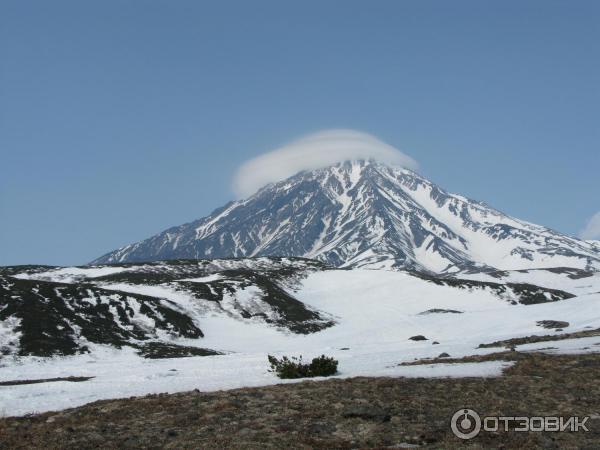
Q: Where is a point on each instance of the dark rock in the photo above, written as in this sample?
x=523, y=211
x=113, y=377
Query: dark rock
x=440, y=311
x=552, y=324
x=418, y=337
x=158, y=350
x=444, y=355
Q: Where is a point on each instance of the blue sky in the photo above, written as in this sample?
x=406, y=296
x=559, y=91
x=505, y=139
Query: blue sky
x=121, y=118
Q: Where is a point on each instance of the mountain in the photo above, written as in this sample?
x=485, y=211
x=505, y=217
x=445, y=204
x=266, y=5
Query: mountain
x=366, y=214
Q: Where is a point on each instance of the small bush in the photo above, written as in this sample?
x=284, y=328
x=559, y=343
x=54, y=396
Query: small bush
x=323, y=366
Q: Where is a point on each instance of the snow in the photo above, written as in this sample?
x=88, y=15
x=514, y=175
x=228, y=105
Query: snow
x=209, y=224
x=565, y=346
x=381, y=306
x=72, y=274
x=485, y=248
x=124, y=374
x=545, y=278
x=429, y=258
x=376, y=312
x=207, y=279
x=9, y=337
x=248, y=299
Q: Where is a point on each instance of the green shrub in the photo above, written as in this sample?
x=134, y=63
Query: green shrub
x=323, y=366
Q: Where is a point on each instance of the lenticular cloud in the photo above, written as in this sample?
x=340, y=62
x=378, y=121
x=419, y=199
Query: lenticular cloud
x=311, y=152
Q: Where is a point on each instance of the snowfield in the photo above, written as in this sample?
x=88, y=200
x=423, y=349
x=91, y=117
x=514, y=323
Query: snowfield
x=120, y=374
x=71, y=274
x=376, y=312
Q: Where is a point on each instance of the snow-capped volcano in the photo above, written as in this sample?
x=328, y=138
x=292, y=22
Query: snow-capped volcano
x=366, y=214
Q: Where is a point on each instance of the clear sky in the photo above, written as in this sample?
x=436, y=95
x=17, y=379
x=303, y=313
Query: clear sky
x=121, y=118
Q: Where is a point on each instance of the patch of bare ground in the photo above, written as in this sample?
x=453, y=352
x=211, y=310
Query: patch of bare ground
x=350, y=413
x=497, y=356
x=511, y=343
x=44, y=380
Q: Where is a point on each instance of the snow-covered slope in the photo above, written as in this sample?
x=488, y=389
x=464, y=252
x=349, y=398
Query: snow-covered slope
x=148, y=306
x=366, y=214
x=64, y=311
x=595, y=244
x=118, y=323
x=575, y=281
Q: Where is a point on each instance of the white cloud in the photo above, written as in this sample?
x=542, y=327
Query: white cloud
x=592, y=228
x=311, y=152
